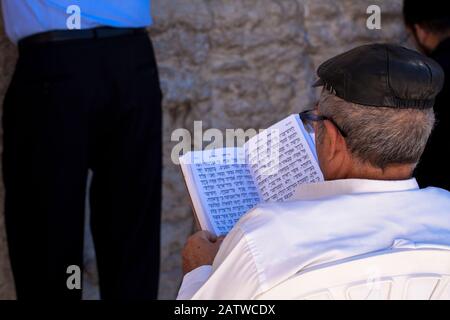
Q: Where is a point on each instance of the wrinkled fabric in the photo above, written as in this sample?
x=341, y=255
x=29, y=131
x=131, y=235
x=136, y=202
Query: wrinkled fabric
x=338, y=220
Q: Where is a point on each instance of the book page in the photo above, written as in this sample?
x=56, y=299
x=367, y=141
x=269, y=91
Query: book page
x=225, y=187
x=281, y=158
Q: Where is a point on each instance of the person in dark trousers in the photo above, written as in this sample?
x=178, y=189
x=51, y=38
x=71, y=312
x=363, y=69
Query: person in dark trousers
x=429, y=22
x=82, y=99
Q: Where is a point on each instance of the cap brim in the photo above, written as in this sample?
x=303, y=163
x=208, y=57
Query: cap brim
x=318, y=83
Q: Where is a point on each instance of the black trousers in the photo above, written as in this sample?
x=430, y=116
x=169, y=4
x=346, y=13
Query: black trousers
x=73, y=106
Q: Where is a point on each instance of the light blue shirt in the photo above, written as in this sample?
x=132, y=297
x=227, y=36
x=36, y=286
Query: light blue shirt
x=27, y=17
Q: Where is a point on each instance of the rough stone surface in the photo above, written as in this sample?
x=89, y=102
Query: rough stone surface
x=233, y=64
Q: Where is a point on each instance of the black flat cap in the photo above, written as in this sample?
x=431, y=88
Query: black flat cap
x=383, y=75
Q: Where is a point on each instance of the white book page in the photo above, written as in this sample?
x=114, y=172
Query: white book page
x=281, y=158
x=186, y=162
x=225, y=187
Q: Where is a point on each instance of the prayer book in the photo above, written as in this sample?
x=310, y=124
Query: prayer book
x=224, y=184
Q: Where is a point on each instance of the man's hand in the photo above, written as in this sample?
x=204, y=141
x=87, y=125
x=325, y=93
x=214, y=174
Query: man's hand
x=200, y=250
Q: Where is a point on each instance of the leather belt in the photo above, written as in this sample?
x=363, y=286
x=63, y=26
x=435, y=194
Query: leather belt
x=64, y=35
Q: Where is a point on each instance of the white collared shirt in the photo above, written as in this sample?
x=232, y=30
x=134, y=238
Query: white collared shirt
x=326, y=222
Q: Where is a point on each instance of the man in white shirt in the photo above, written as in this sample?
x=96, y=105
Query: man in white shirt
x=372, y=123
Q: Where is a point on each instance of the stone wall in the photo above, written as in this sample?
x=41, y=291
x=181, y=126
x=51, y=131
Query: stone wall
x=232, y=64
x=8, y=54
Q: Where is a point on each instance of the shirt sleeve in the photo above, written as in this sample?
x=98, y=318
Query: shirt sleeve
x=233, y=275
x=193, y=281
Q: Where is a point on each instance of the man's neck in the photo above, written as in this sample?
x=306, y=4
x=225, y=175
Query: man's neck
x=392, y=172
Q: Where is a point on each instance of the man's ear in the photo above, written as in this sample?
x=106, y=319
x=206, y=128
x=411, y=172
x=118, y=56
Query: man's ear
x=421, y=34
x=333, y=141
x=329, y=139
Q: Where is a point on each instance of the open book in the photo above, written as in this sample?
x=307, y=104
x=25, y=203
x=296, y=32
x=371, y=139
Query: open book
x=224, y=184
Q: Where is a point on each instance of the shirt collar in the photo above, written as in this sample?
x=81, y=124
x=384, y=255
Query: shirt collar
x=326, y=189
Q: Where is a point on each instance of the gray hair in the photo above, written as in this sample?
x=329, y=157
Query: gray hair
x=380, y=136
